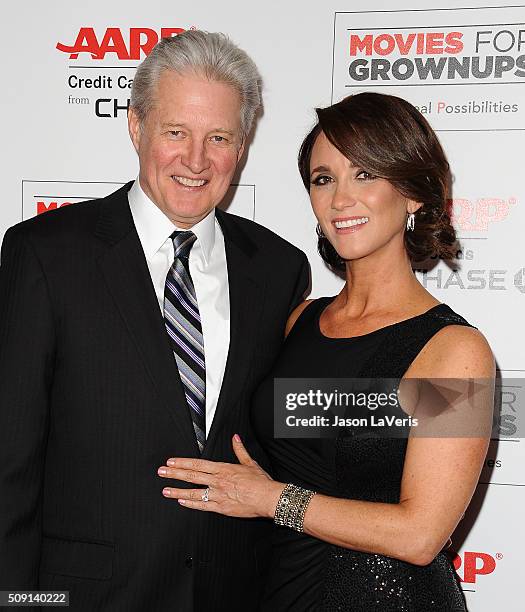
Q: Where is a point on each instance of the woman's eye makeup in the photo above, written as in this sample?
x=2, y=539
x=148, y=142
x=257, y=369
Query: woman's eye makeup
x=324, y=179
x=321, y=179
x=363, y=175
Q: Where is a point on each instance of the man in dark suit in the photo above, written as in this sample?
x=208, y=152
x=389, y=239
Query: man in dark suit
x=132, y=329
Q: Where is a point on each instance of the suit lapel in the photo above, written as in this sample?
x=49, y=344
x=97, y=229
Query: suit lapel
x=127, y=276
x=246, y=291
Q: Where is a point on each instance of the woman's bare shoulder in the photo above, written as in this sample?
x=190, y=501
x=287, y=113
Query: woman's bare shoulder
x=455, y=351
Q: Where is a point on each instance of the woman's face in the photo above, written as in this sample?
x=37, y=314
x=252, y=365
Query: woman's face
x=358, y=213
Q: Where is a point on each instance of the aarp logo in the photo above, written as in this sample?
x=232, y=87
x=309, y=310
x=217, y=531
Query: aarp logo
x=122, y=44
x=471, y=566
x=477, y=215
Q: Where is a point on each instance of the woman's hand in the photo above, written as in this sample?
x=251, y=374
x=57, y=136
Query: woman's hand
x=244, y=490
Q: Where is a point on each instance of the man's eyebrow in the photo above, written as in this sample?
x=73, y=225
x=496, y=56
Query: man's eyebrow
x=183, y=125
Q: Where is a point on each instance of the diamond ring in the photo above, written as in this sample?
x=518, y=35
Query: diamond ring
x=206, y=495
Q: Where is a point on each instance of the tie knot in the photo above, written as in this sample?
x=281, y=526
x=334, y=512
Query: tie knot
x=182, y=243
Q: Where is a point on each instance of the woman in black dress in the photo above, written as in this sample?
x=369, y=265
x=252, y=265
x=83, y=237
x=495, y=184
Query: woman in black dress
x=371, y=537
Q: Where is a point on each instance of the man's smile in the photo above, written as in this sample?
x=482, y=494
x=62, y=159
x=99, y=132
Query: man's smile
x=189, y=182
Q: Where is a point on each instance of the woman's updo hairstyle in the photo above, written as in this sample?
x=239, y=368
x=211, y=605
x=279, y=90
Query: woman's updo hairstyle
x=389, y=138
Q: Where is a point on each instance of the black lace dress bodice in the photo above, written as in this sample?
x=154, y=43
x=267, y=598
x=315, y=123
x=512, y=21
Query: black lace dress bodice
x=307, y=573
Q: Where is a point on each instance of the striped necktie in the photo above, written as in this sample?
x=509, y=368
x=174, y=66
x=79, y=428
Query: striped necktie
x=183, y=324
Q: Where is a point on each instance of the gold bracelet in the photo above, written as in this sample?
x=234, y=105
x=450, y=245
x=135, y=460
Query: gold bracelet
x=291, y=507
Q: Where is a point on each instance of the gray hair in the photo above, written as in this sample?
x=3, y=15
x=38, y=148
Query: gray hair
x=211, y=54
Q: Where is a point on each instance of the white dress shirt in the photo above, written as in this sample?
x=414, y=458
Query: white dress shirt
x=208, y=271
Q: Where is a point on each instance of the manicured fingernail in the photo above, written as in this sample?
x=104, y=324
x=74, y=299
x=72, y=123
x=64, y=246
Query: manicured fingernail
x=171, y=462
x=162, y=471
x=237, y=438
x=182, y=502
x=166, y=492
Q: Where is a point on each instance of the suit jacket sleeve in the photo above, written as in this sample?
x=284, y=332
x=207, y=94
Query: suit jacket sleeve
x=26, y=361
x=302, y=284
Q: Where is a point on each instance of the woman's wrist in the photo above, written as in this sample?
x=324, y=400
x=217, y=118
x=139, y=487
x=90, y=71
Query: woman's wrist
x=291, y=507
x=274, y=495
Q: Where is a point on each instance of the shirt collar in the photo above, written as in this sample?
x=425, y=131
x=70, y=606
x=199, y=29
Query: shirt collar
x=154, y=227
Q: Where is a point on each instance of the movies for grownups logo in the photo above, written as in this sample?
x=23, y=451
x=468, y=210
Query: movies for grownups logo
x=38, y=197
x=438, y=60
x=102, y=65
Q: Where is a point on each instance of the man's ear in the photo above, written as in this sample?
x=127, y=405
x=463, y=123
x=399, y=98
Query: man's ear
x=413, y=207
x=134, y=128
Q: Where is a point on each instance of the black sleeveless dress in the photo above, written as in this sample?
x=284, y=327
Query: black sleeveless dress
x=307, y=573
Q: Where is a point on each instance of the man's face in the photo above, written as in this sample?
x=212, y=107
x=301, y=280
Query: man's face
x=188, y=145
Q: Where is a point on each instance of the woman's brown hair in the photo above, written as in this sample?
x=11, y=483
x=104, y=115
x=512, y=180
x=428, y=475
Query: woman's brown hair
x=389, y=138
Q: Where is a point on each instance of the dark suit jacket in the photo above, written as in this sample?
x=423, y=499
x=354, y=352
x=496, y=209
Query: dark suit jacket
x=91, y=404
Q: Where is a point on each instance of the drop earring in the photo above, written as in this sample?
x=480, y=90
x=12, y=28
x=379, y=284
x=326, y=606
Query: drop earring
x=411, y=222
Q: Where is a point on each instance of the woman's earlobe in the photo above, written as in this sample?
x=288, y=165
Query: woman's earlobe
x=413, y=207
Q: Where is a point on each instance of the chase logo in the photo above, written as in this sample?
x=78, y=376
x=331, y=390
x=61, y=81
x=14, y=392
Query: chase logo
x=519, y=280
